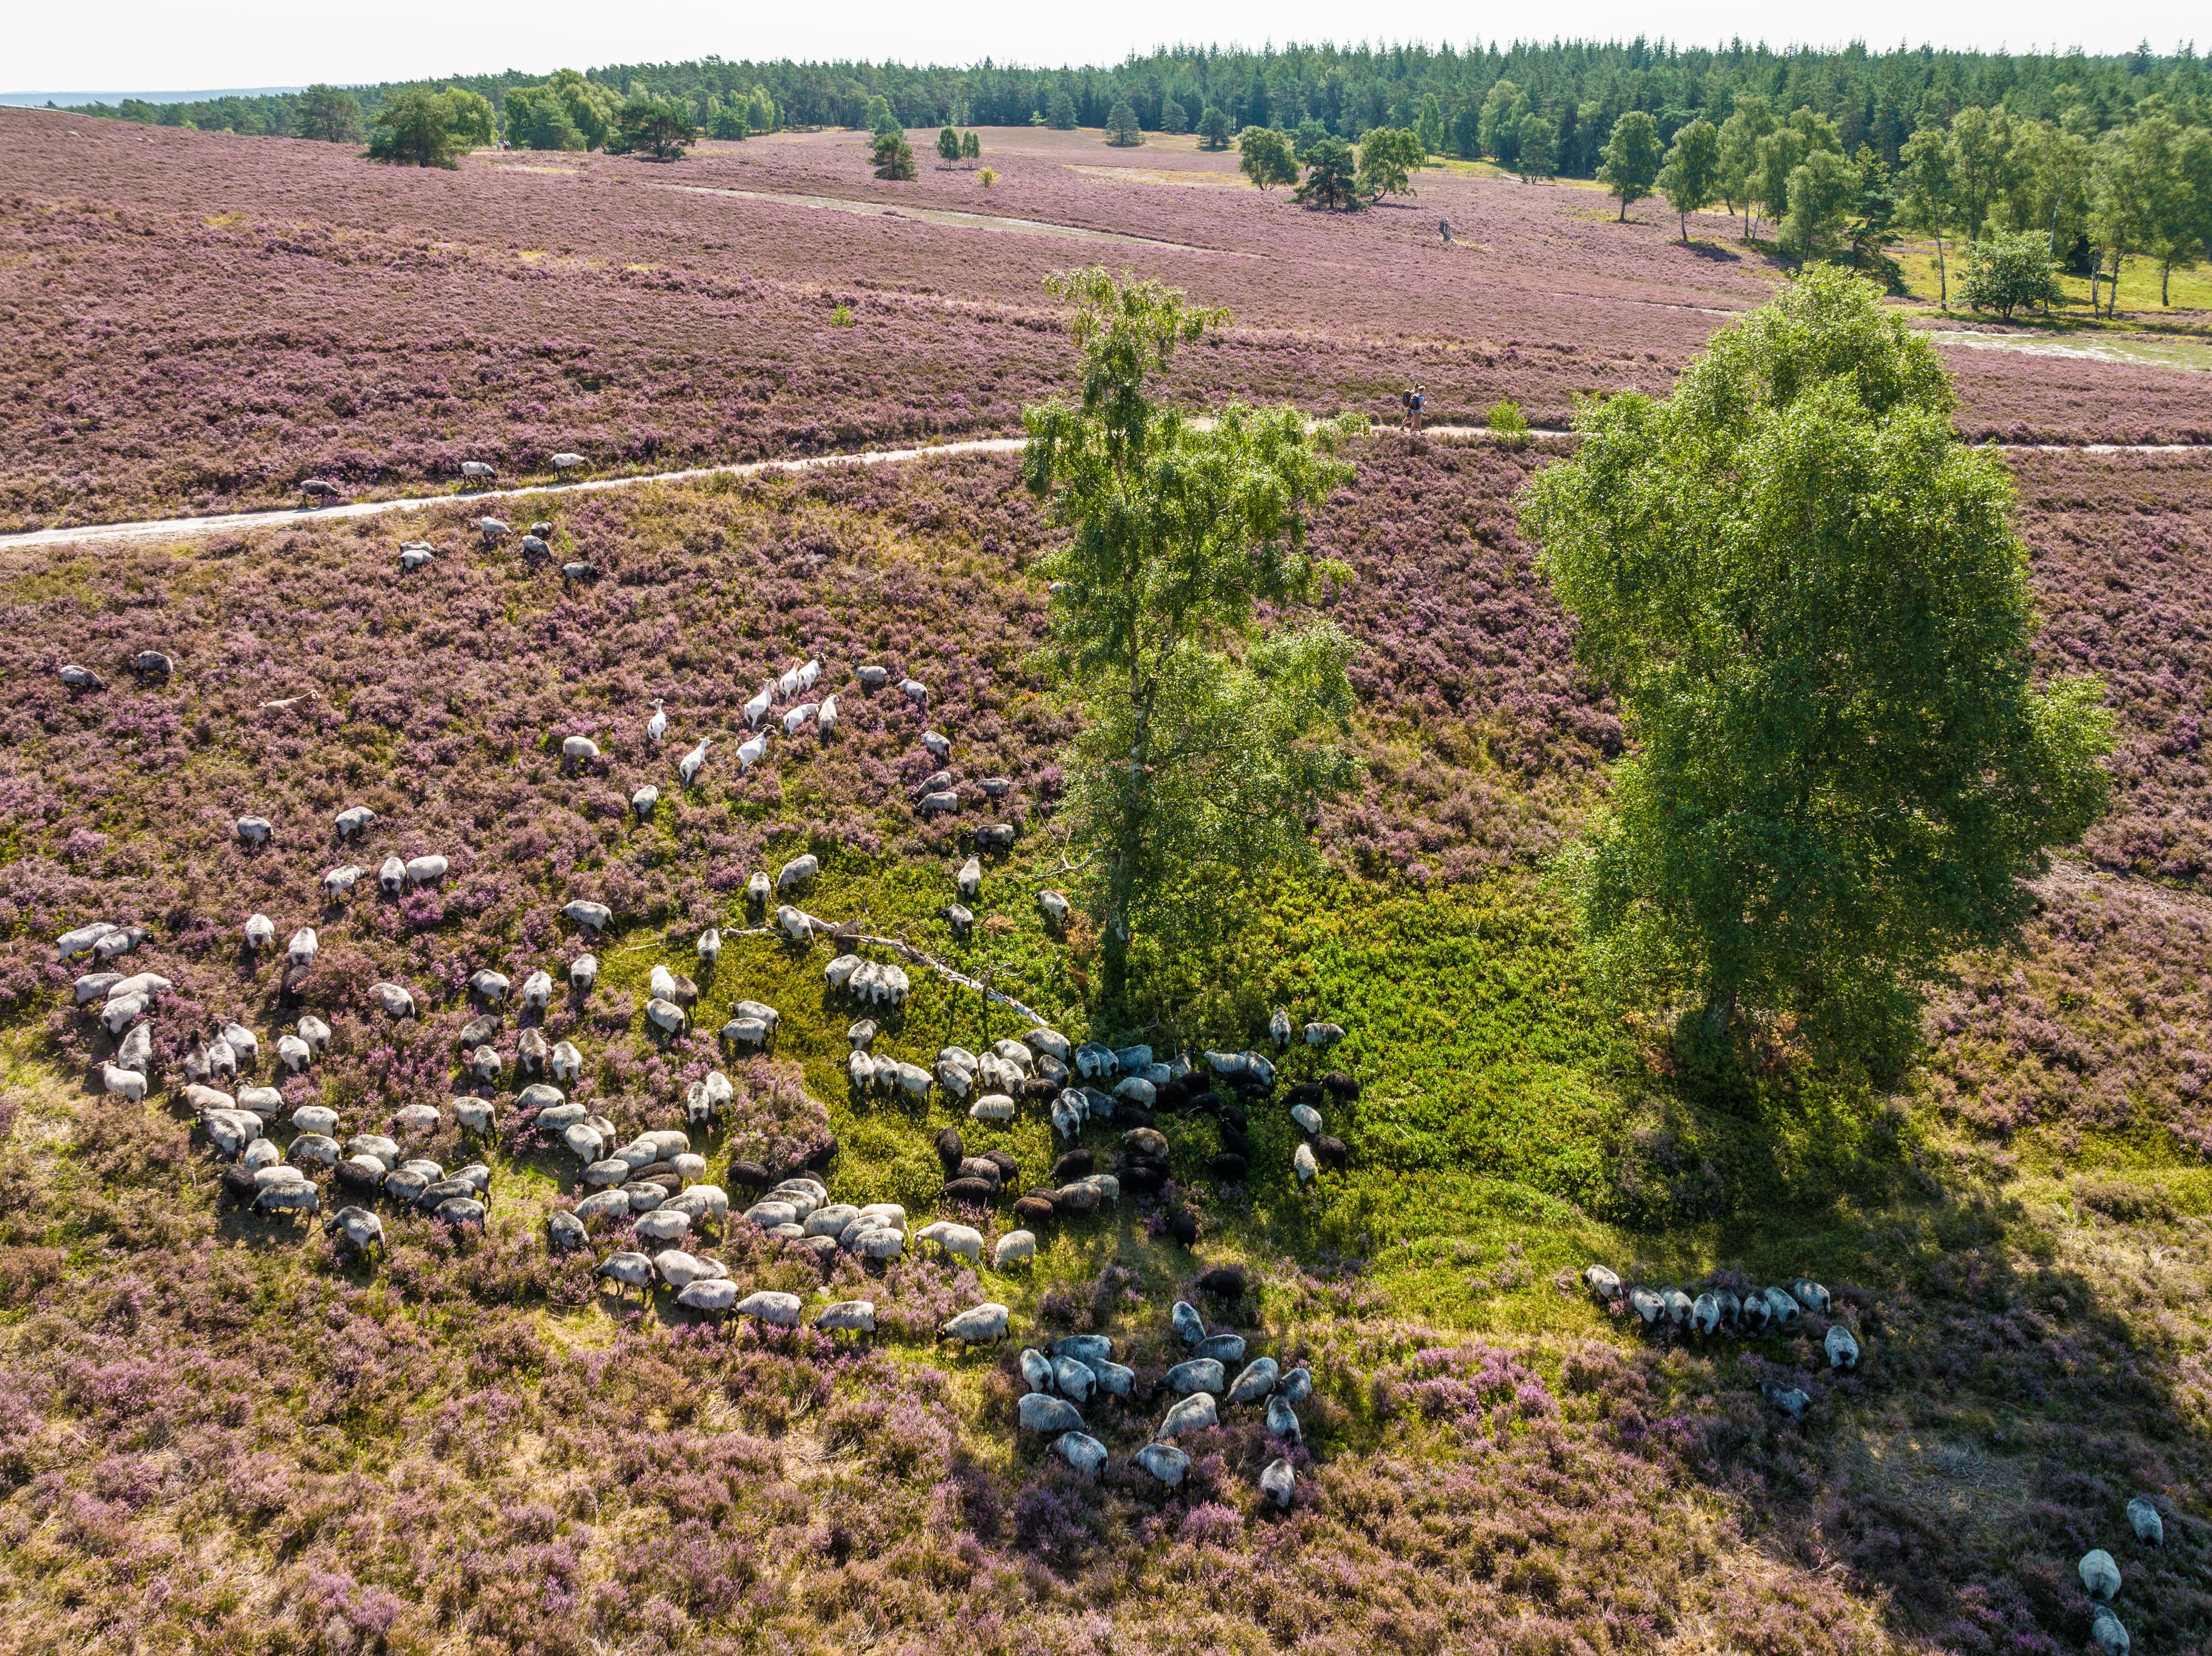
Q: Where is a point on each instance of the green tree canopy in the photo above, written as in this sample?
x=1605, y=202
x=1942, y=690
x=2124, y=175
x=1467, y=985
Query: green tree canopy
x=2008, y=271
x=892, y=156
x=1059, y=109
x=1632, y=159
x=1691, y=178
x=1174, y=118
x=1823, y=188
x=948, y=144
x=537, y=118
x=1266, y=157
x=1923, y=177
x=879, y=116
x=646, y=125
x=420, y=128
x=328, y=113
x=1387, y=158
x=1752, y=119
x=1808, y=596
x=727, y=122
x=1537, y=145
x=1207, y=742
x=1213, y=128
x=1122, y=129
x=1499, y=126
x=971, y=147
x=1332, y=178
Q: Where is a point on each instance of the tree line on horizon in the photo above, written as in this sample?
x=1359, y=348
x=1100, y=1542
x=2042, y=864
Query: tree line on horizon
x=1448, y=96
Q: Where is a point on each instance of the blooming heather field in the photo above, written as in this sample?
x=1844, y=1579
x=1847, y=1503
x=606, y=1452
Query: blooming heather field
x=204, y=319
x=217, y=1434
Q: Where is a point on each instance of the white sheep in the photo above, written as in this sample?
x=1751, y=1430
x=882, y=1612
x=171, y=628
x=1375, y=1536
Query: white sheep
x=693, y=762
x=751, y=751
x=260, y=932
x=977, y=1325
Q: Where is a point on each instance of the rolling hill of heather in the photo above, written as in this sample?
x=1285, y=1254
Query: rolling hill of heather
x=448, y=1425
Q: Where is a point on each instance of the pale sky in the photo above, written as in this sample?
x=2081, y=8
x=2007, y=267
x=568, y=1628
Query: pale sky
x=160, y=46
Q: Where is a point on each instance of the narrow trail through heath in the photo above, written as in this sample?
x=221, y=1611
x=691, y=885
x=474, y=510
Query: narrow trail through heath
x=280, y=517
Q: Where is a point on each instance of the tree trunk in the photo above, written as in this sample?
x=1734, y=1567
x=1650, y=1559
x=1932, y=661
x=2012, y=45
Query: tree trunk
x=1686, y=229
x=2164, y=277
x=1942, y=274
x=1720, y=1012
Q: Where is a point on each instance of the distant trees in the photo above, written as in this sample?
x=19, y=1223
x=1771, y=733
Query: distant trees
x=1538, y=143
x=2008, y=271
x=948, y=144
x=1752, y=119
x=1822, y=189
x=1808, y=597
x=1331, y=180
x=1690, y=180
x=1387, y=158
x=893, y=157
x=1213, y=128
x=1208, y=743
x=1265, y=157
x=1632, y=159
x=1174, y=118
x=1498, y=126
x=1430, y=128
x=568, y=111
x=1924, y=177
x=1059, y=109
x=329, y=114
x=420, y=128
x=879, y=116
x=727, y=122
x=660, y=128
x=971, y=147
x=1122, y=129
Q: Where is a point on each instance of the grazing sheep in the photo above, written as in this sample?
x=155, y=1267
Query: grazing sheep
x=1278, y=1482
x=488, y=985
x=1303, y=1163
x=1164, y=1461
x=1074, y=1378
x=1843, y=1350
x=592, y=916
x=484, y=1064
x=354, y=820
x=872, y=677
x=1307, y=1118
x=626, y=1269
x=264, y=1101
x=663, y=1228
x=1195, y=1413
x=603, y=1204
x=286, y=1190
x=477, y=471
x=756, y=709
x=714, y=1296
x=426, y=871
x=391, y=877
x=798, y=717
x=81, y=678
x=979, y=1325
x=825, y=720
x=319, y=488
x=1790, y=1400
x=1283, y=1421
x=1199, y=1374
x=847, y=1316
x=253, y=830
x=643, y=801
x=1705, y=1314
x=338, y=883
x=1677, y=1306
x=564, y=1232
x=413, y=554
x=1042, y=1412
x=939, y=803
x=395, y=1000
x=123, y=1011
x=125, y=1084
x=777, y=1309
x=914, y=691
x=583, y=971
x=474, y=1113
x=2144, y=1518
x=1081, y=1452
x=567, y=462
x=537, y=990
x=260, y=933
x=1648, y=1306
x=2099, y=1575
x=2107, y=1630
x=1757, y=1313
x=564, y=1063
x=1810, y=1294
x=357, y=1229
x=1257, y=1381
x=796, y=872
x=303, y=947
x=1224, y=1349
x=1015, y=1247
x=963, y=1239
x=83, y=940
x=751, y=751
x=680, y=1270
x=692, y=763
x=1785, y=1307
